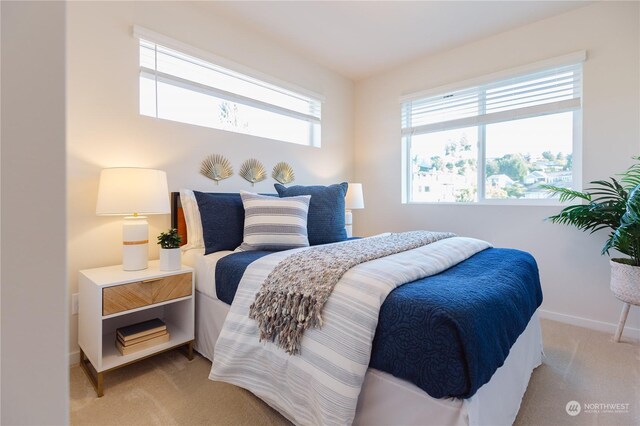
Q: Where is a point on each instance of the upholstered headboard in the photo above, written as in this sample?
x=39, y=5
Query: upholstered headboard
x=177, y=217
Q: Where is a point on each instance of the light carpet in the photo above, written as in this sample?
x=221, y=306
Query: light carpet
x=579, y=365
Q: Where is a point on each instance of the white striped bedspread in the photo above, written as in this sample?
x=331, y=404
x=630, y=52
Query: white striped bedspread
x=321, y=384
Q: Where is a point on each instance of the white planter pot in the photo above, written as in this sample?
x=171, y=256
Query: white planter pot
x=170, y=259
x=625, y=282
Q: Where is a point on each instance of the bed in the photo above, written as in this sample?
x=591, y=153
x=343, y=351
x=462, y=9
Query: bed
x=386, y=397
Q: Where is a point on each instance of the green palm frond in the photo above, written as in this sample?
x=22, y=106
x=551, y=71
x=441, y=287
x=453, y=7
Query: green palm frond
x=566, y=194
x=589, y=217
x=607, y=204
x=626, y=238
x=608, y=191
x=631, y=178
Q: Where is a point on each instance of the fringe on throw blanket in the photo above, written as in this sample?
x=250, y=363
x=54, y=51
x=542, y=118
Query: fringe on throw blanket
x=293, y=295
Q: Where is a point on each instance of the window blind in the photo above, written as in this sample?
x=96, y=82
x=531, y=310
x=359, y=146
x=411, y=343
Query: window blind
x=164, y=65
x=548, y=91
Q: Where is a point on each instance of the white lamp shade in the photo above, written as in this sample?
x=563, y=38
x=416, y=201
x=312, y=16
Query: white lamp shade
x=130, y=190
x=354, y=198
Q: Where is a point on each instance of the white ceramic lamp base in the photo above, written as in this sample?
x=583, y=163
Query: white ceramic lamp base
x=348, y=221
x=135, y=243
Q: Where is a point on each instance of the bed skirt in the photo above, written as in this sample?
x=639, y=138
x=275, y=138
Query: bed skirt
x=386, y=399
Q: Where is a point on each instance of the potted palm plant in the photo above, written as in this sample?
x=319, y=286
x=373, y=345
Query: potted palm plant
x=169, y=243
x=612, y=205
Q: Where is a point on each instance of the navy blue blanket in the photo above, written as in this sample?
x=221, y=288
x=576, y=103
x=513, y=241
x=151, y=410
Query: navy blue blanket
x=229, y=271
x=447, y=333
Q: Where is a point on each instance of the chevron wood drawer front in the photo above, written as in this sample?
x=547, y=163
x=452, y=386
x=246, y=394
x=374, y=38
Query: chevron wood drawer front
x=171, y=287
x=142, y=293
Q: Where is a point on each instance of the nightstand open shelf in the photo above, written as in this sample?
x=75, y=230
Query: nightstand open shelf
x=112, y=358
x=111, y=298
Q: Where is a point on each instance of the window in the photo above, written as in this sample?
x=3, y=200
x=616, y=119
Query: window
x=179, y=87
x=497, y=141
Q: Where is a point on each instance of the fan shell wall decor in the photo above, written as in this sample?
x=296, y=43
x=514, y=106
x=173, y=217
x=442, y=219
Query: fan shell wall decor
x=216, y=167
x=283, y=173
x=253, y=171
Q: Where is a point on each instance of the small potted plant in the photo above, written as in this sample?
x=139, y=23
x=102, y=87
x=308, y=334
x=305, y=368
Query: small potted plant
x=170, y=250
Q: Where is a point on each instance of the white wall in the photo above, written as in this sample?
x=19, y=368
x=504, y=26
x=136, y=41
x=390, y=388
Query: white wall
x=574, y=275
x=35, y=383
x=106, y=130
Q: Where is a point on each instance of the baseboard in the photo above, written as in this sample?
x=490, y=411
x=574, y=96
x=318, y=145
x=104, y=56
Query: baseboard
x=629, y=332
x=74, y=357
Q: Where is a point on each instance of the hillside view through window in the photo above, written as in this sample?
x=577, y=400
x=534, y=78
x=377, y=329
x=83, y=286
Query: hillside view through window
x=519, y=156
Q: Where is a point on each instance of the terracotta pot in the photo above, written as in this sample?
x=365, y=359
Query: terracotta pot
x=625, y=281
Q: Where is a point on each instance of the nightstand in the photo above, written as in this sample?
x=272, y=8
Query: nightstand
x=111, y=298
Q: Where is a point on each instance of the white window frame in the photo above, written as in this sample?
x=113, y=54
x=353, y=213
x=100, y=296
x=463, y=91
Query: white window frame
x=223, y=63
x=406, y=179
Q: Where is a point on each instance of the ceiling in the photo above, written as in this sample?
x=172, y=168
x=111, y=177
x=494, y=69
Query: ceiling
x=361, y=38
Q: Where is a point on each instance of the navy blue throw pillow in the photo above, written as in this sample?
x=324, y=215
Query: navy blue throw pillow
x=325, y=222
x=222, y=218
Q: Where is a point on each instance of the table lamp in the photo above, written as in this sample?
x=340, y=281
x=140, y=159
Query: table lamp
x=353, y=200
x=133, y=192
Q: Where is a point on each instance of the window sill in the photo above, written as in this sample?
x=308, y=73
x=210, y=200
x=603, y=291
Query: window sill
x=511, y=203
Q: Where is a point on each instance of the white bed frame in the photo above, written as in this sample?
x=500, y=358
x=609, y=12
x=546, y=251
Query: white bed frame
x=388, y=400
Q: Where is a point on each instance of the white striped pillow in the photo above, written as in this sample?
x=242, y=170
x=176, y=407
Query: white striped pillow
x=272, y=223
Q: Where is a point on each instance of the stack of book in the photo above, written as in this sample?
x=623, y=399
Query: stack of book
x=143, y=335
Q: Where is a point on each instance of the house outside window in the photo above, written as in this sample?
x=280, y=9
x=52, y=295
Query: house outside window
x=498, y=140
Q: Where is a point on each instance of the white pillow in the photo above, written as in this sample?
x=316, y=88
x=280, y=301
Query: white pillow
x=272, y=223
x=192, y=219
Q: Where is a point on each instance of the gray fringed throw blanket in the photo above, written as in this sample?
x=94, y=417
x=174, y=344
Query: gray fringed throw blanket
x=293, y=295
